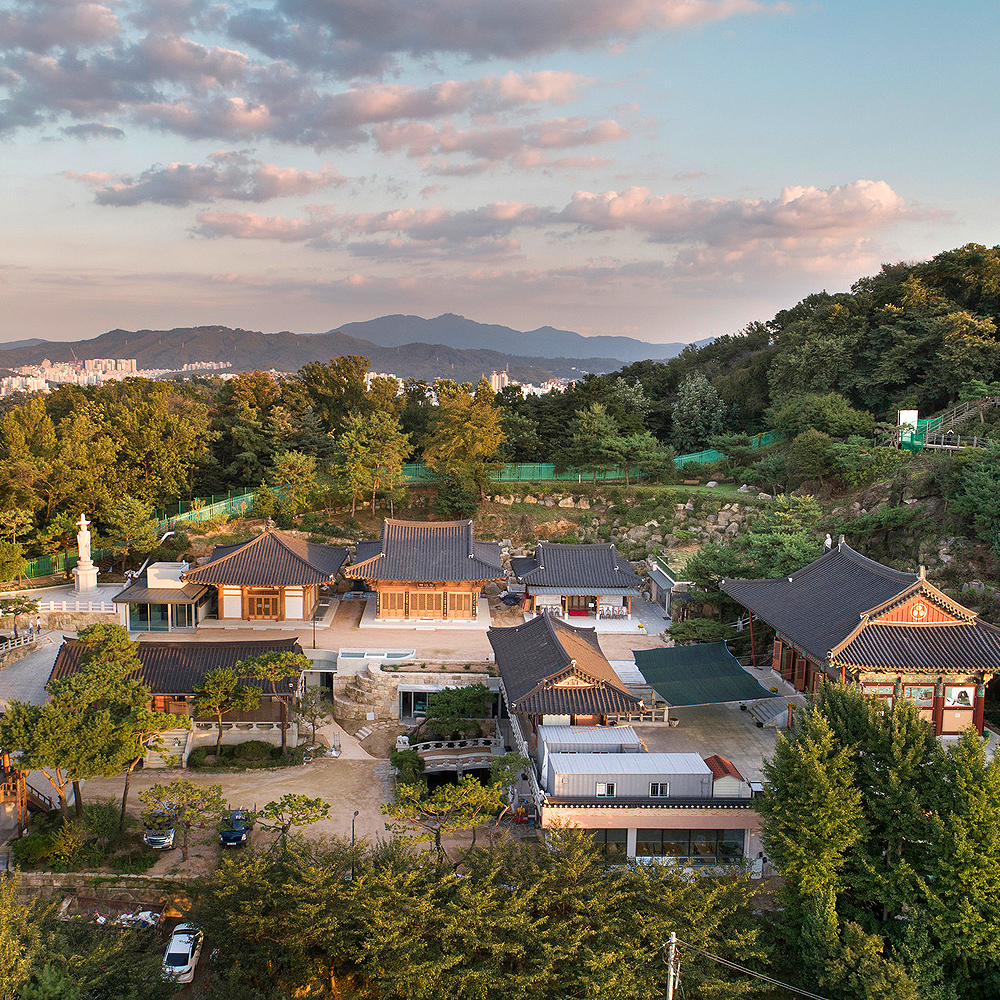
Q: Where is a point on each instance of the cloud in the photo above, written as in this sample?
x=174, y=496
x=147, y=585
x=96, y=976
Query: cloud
x=805, y=228
x=369, y=36
x=228, y=175
x=522, y=145
x=251, y=226
x=92, y=130
x=47, y=24
x=799, y=212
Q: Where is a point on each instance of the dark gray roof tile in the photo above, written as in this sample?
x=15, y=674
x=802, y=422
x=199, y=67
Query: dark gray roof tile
x=533, y=658
x=426, y=550
x=818, y=606
x=273, y=559
x=586, y=568
x=176, y=667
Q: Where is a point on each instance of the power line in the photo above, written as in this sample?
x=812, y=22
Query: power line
x=746, y=971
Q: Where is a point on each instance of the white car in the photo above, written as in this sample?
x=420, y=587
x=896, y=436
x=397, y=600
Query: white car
x=183, y=953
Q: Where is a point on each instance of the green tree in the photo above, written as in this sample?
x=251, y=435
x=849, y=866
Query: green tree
x=130, y=527
x=828, y=412
x=595, y=443
x=12, y=561
x=314, y=708
x=372, y=451
x=15, y=521
x=811, y=817
x=336, y=389
x=452, y=705
x=698, y=413
x=293, y=475
x=59, y=535
x=292, y=810
x=277, y=670
x=771, y=472
x=22, y=938
x=448, y=808
x=641, y=451
x=977, y=497
x=465, y=435
x=17, y=605
x=185, y=804
x=220, y=692
x=858, y=970
x=809, y=455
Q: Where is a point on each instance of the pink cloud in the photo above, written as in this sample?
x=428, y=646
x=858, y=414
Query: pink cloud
x=227, y=175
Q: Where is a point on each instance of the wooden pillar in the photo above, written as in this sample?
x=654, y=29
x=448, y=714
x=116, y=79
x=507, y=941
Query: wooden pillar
x=938, y=707
x=979, y=708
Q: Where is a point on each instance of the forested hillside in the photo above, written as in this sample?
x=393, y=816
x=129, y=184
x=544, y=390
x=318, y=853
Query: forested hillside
x=821, y=376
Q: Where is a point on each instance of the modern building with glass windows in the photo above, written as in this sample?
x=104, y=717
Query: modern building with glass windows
x=160, y=601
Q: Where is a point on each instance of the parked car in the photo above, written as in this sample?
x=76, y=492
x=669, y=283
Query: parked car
x=183, y=952
x=159, y=832
x=234, y=830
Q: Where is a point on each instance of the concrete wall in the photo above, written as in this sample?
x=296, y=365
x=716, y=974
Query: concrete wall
x=627, y=786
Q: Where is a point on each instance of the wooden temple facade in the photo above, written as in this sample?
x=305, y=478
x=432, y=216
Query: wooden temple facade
x=847, y=618
x=426, y=570
x=273, y=577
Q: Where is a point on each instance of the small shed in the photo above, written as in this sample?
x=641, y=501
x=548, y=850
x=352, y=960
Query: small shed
x=586, y=739
x=727, y=782
x=630, y=776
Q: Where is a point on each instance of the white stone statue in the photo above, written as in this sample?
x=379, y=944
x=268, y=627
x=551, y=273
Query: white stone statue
x=85, y=574
x=83, y=541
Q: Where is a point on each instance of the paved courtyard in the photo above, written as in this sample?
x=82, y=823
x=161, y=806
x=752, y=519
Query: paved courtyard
x=24, y=679
x=711, y=729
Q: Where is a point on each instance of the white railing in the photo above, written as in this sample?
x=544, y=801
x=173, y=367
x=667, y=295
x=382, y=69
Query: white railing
x=106, y=607
x=21, y=640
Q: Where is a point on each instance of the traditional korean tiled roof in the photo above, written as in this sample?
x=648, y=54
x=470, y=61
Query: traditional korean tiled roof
x=818, y=606
x=722, y=768
x=959, y=647
x=576, y=569
x=551, y=668
x=426, y=550
x=176, y=667
x=273, y=559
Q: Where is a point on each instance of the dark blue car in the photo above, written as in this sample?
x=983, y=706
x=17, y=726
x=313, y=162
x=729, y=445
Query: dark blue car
x=234, y=831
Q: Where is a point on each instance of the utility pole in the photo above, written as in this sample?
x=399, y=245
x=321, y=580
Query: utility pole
x=672, y=976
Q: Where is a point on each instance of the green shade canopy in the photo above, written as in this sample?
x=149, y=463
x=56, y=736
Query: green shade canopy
x=702, y=674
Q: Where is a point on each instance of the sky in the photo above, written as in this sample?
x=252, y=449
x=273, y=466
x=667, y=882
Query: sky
x=665, y=169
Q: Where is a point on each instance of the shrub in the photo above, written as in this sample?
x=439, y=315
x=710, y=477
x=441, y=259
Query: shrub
x=409, y=764
x=31, y=850
x=101, y=818
x=197, y=757
x=66, y=844
x=136, y=862
x=252, y=750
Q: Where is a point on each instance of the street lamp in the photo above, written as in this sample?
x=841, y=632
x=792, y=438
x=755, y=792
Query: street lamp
x=353, y=819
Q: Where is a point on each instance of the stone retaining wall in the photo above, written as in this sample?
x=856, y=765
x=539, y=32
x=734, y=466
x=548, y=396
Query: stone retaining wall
x=18, y=652
x=377, y=692
x=113, y=890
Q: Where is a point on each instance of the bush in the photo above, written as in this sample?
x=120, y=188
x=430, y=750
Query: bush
x=30, y=851
x=253, y=750
x=197, y=757
x=136, y=862
x=101, y=817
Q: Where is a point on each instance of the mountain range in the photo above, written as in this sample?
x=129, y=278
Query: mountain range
x=408, y=346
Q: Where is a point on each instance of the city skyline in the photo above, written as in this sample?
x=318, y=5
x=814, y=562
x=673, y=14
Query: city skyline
x=664, y=169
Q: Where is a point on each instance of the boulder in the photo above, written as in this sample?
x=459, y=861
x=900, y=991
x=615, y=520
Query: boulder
x=530, y=499
x=566, y=502
x=583, y=503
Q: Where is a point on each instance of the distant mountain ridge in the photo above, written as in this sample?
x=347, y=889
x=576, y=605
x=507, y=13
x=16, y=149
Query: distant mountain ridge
x=247, y=350
x=457, y=331
x=448, y=346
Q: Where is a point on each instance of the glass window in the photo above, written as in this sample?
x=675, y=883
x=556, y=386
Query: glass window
x=138, y=617
x=676, y=843
x=731, y=845
x=611, y=841
x=181, y=615
x=605, y=789
x=959, y=697
x=659, y=789
x=649, y=843
x=704, y=843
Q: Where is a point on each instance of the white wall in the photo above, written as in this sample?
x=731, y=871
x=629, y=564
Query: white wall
x=293, y=603
x=232, y=604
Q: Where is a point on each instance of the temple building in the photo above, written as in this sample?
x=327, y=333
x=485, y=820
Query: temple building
x=426, y=570
x=585, y=581
x=273, y=577
x=847, y=618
